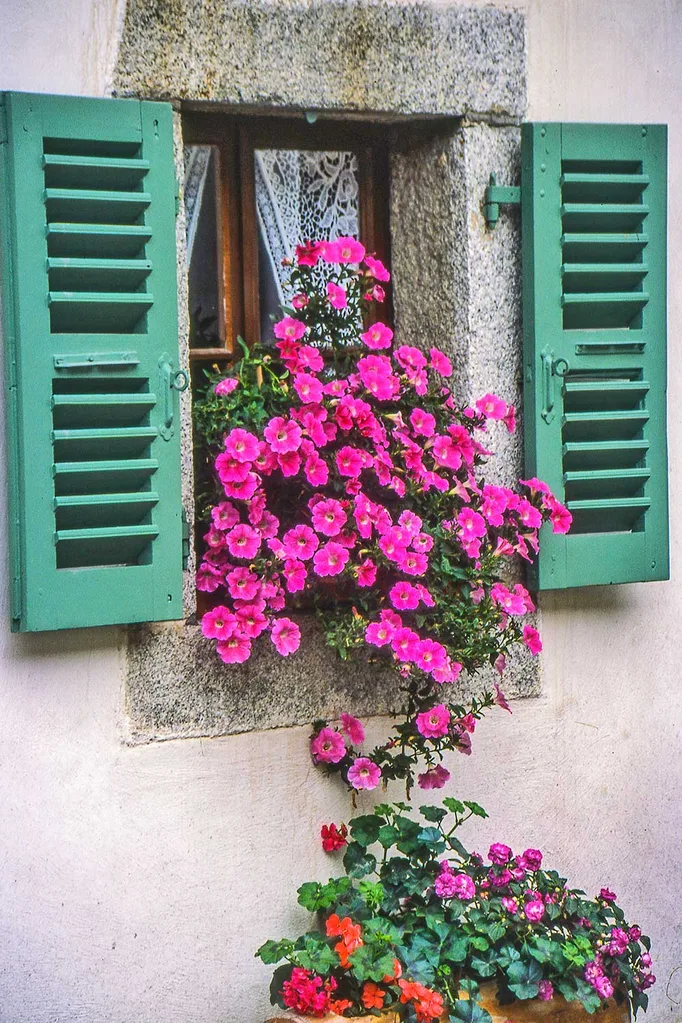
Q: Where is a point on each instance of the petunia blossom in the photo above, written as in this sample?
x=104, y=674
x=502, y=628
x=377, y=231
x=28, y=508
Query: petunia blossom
x=364, y=774
x=434, y=723
x=328, y=746
x=286, y=637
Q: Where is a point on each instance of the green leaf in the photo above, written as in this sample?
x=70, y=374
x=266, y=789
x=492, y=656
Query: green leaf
x=357, y=862
x=482, y=944
x=272, y=951
x=455, y=950
x=281, y=974
x=483, y=967
x=467, y=1010
x=506, y=956
x=475, y=808
x=453, y=805
x=496, y=931
x=435, y=814
x=365, y=829
x=388, y=836
x=523, y=978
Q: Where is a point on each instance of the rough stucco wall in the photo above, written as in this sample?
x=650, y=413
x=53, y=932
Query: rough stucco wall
x=139, y=880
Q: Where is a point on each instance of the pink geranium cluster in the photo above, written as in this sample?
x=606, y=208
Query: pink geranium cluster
x=360, y=470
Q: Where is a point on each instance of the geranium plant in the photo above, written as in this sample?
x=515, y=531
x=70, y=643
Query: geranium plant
x=417, y=923
x=346, y=472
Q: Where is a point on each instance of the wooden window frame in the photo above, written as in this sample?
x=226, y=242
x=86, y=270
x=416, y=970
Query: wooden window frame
x=235, y=140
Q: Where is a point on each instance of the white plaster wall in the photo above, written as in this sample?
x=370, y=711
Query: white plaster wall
x=136, y=882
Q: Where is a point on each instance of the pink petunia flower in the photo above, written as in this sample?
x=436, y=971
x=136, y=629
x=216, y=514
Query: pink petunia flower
x=286, y=637
x=491, y=406
x=433, y=723
x=330, y=559
x=378, y=336
x=531, y=637
x=364, y=774
x=328, y=517
x=234, y=650
x=230, y=469
x=251, y=620
x=404, y=596
x=308, y=388
x=560, y=516
x=509, y=420
x=430, y=656
x=379, y=633
x=218, y=623
x=336, y=295
x=350, y=461
x=224, y=515
x=348, y=250
x=289, y=329
x=289, y=462
x=353, y=728
x=404, y=643
x=366, y=573
x=242, y=584
x=300, y=301
x=316, y=470
x=377, y=269
x=328, y=745
x=423, y=423
x=241, y=445
x=283, y=435
x=226, y=386
x=376, y=374
x=300, y=542
x=308, y=253
x=500, y=699
x=436, y=778
x=243, y=541
x=440, y=362
x=295, y=574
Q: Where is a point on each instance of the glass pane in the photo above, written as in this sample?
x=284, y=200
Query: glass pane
x=201, y=204
x=300, y=194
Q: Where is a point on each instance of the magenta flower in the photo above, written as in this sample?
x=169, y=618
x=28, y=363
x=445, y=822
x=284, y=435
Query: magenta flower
x=336, y=295
x=545, y=991
x=329, y=517
x=560, y=517
x=353, y=728
x=295, y=574
x=423, y=423
x=471, y=523
x=328, y=745
x=607, y=895
x=500, y=699
x=366, y=573
x=308, y=253
x=404, y=596
x=603, y=987
x=300, y=301
x=300, y=542
x=464, y=887
x=414, y=563
x=224, y=515
x=491, y=406
x=379, y=633
x=330, y=559
x=376, y=374
x=511, y=905
x=531, y=859
x=436, y=778
x=286, y=637
x=250, y=620
x=310, y=358
x=230, y=470
x=289, y=462
x=499, y=854
x=242, y=584
x=218, y=623
x=289, y=329
x=440, y=362
x=347, y=250
x=378, y=336
x=434, y=723
x=308, y=388
x=234, y=650
x=226, y=386
x=282, y=434
x=404, y=644
x=364, y=773
x=243, y=541
x=241, y=445
x=350, y=461
x=316, y=470
x=377, y=269
x=430, y=656
x=531, y=637
x=534, y=910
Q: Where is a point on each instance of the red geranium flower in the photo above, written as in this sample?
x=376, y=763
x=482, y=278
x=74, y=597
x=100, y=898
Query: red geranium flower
x=333, y=838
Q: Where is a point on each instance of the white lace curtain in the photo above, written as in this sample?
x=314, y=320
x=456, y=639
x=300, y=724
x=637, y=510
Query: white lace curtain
x=299, y=194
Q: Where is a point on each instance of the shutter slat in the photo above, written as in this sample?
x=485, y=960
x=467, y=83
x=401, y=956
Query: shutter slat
x=91, y=229
x=594, y=304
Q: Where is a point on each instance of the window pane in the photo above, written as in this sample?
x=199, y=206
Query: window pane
x=201, y=204
x=300, y=194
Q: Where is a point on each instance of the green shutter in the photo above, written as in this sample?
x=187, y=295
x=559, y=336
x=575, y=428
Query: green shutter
x=594, y=309
x=87, y=221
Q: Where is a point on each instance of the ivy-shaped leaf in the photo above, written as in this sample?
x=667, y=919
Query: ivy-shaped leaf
x=523, y=978
x=357, y=861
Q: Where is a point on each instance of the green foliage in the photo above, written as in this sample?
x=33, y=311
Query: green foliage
x=451, y=940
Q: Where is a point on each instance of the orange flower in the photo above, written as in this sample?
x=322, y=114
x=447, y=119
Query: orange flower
x=429, y=1006
x=342, y=953
x=372, y=996
x=339, y=1005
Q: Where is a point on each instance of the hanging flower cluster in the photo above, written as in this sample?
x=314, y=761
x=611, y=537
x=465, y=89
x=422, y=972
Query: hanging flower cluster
x=347, y=474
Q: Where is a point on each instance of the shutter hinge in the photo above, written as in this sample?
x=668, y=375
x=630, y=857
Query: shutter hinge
x=177, y=196
x=496, y=196
x=185, y=540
